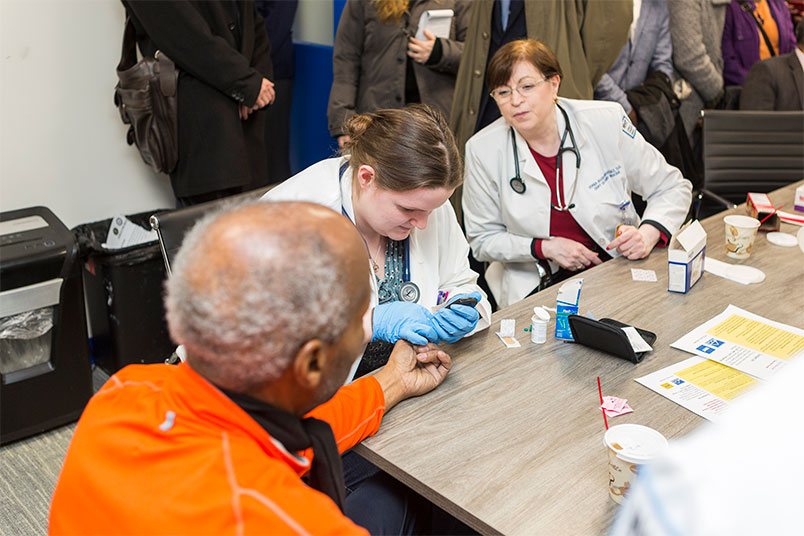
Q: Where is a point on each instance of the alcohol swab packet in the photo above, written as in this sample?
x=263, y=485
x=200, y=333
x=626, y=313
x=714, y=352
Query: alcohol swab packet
x=643, y=275
x=506, y=333
x=614, y=406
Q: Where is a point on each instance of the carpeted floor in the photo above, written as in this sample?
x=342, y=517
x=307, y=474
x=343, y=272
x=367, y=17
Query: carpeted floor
x=29, y=469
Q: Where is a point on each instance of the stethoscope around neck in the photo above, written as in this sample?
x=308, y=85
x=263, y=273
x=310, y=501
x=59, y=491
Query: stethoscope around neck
x=518, y=185
x=408, y=291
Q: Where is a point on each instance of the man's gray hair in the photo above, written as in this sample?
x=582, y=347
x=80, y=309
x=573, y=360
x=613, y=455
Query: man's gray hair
x=242, y=319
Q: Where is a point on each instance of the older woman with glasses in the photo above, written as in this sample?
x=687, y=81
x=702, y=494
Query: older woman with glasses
x=547, y=188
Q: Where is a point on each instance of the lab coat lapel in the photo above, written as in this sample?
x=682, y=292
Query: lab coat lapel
x=346, y=192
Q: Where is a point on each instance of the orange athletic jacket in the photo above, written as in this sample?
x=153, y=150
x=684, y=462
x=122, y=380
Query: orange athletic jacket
x=159, y=450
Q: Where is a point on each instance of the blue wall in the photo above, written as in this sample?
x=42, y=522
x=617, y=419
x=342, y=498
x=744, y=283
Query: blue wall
x=309, y=136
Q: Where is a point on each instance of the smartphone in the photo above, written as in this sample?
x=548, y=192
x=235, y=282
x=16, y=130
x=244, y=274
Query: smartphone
x=471, y=302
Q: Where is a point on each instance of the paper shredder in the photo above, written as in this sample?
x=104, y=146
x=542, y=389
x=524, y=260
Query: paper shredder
x=44, y=353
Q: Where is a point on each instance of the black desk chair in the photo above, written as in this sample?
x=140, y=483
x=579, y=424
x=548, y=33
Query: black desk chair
x=749, y=151
x=171, y=226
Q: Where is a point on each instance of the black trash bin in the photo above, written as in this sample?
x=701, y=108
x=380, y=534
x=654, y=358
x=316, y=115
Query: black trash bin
x=124, y=296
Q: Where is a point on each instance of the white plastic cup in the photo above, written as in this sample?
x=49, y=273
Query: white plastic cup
x=629, y=446
x=538, y=325
x=740, y=234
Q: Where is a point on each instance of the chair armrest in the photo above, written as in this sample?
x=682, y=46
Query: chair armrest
x=703, y=192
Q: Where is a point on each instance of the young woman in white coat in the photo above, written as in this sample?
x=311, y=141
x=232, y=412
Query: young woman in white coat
x=398, y=170
x=548, y=186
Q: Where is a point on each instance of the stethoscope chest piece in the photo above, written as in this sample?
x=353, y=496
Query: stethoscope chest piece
x=409, y=292
x=518, y=185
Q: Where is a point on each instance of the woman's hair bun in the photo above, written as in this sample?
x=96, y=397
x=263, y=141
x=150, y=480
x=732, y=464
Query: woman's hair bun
x=357, y=125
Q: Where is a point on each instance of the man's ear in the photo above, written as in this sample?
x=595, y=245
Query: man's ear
x=365, y=176
x=309, y=364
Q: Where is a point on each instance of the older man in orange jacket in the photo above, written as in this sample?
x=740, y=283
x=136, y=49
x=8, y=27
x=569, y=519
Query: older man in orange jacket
x=270, y=301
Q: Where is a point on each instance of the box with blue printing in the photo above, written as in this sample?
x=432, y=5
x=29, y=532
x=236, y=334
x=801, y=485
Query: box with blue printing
x=569, y=295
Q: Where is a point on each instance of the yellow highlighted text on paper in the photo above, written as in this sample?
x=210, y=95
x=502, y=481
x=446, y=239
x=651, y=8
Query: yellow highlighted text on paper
x=720, y=380
x=758, y=336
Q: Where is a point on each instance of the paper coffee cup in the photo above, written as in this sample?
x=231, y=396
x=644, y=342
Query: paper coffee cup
x=629, y=446
x=740, y=234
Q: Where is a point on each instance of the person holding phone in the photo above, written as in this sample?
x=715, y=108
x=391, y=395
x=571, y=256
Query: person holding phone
x=397, y=172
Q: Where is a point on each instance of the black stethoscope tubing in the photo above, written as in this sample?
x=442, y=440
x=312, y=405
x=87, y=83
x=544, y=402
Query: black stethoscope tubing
x=409, y=291
x=518, y=185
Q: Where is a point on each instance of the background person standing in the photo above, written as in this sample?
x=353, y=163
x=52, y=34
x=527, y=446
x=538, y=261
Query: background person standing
x=223, y=55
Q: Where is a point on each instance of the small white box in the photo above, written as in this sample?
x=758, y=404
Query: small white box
x=685, y=257
x=798, y=204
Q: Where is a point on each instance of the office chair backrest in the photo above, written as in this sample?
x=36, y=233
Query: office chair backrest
x=748, y=151
x=171, y=226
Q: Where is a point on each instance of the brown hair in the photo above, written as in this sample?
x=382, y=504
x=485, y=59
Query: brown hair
x=532, y=51
x=408, y=148
x=390, y=10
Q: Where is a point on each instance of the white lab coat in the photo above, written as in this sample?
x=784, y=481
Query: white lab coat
x=615, y=161
x=439, y=253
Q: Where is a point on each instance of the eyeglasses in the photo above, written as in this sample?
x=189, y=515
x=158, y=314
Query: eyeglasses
x=525, y=88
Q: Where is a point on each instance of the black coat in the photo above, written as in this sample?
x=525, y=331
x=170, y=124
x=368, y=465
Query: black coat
x=658, y=112
x=774, y=84
x=222, y=50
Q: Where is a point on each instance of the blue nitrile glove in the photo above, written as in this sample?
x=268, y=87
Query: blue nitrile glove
x=402, y=320
x=453, y=323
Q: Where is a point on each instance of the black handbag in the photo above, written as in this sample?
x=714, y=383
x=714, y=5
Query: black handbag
x=146, y=98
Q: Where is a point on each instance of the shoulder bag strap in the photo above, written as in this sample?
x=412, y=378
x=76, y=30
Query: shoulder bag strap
x=128, y=55
x=745, y=7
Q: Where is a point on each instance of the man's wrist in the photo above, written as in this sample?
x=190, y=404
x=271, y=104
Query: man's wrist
x=393, y=390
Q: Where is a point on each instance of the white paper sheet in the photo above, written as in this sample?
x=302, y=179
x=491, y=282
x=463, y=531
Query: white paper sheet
x=702, y=386
x=744, y=341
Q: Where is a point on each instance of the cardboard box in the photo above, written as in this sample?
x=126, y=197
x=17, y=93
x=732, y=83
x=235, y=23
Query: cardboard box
x=685, y=257
x=798, y=202
x=569, y=295
x=758, y=206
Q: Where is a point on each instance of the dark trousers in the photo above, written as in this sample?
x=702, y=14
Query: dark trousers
x=382, y=505
x=277, y=136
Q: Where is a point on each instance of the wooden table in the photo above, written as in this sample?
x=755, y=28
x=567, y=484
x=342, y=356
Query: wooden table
x=512, y=442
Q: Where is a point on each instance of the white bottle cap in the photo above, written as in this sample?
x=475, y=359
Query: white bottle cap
x=541, y=314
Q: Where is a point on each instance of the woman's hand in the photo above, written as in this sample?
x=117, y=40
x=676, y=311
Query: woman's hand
x=569, y=254
x=419, y=50
x=633, y=243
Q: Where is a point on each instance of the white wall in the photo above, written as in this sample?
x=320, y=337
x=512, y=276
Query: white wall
x=62, y=144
